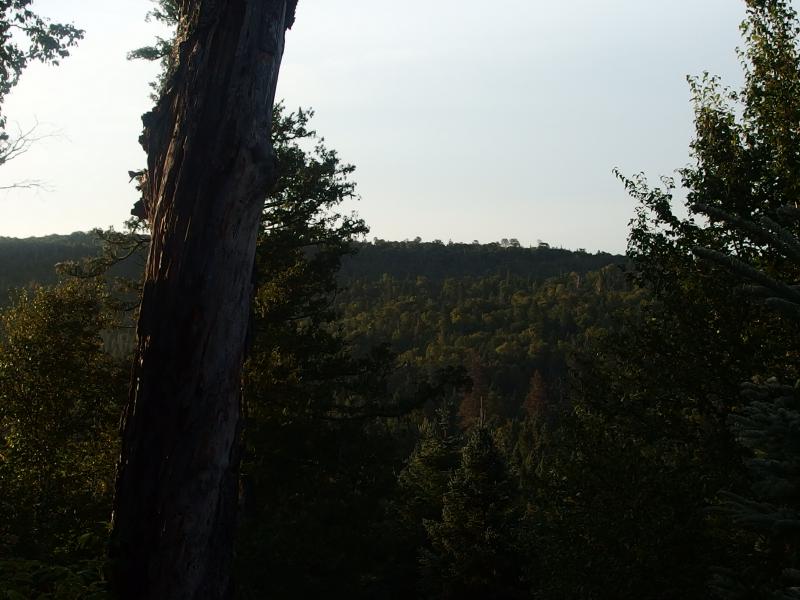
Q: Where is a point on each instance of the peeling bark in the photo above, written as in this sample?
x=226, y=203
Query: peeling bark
x=210, y=167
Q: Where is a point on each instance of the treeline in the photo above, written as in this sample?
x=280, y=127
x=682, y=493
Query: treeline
x=29, y=261
x=437, y=260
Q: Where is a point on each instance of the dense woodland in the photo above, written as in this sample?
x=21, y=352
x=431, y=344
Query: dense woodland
x=451, y=420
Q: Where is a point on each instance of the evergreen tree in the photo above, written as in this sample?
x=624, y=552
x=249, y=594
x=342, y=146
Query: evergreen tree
x=675, y=377
x=768, y=425
x=318, y=451
x=473, y=551
x=421, y=486
x=423, y=482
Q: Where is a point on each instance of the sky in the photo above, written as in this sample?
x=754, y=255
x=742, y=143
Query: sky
x=465, y=119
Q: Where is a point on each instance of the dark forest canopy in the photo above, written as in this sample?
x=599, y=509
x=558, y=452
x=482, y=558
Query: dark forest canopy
x=341, y=415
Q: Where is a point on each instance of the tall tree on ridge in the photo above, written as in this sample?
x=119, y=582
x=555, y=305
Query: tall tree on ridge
x=210, y=165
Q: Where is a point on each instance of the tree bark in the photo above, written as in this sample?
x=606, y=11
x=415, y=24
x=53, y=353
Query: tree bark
x=210, y=168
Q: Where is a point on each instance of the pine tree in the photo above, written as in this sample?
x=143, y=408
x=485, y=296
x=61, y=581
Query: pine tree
x=746, y=172
x=421, y=486
x=768, y=425
x=423, y=482
x=473, y=550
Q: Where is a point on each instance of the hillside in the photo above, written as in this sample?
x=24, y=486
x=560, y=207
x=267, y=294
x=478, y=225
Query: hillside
x=435, y=260
x=26, y=261
x=506, y=314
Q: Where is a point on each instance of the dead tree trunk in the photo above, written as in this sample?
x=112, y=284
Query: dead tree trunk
x=210, y=167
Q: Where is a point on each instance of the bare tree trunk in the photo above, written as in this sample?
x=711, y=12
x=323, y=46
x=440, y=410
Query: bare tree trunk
x=210, y=167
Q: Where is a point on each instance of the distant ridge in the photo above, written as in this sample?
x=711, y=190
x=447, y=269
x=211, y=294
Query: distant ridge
x=25, y=261
x=437, y=260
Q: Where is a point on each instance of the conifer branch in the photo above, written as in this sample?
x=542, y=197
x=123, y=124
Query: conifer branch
x=743, y=269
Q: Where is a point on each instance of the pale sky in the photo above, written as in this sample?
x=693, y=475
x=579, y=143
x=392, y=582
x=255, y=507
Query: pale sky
x=466, y=119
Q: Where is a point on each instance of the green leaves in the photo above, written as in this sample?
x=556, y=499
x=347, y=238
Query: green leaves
x=34, y=580
x=60, y=396
x=26, y=37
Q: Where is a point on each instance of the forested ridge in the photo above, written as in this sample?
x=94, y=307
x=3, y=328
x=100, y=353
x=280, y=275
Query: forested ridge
x=510, y=310
x=402, y=347
x=451, y=420
x=31, y=260
x=27, y=261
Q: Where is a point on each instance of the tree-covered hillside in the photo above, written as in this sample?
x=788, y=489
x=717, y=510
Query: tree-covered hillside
x=438, y=261
x=504, y=312
x=26, y=261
